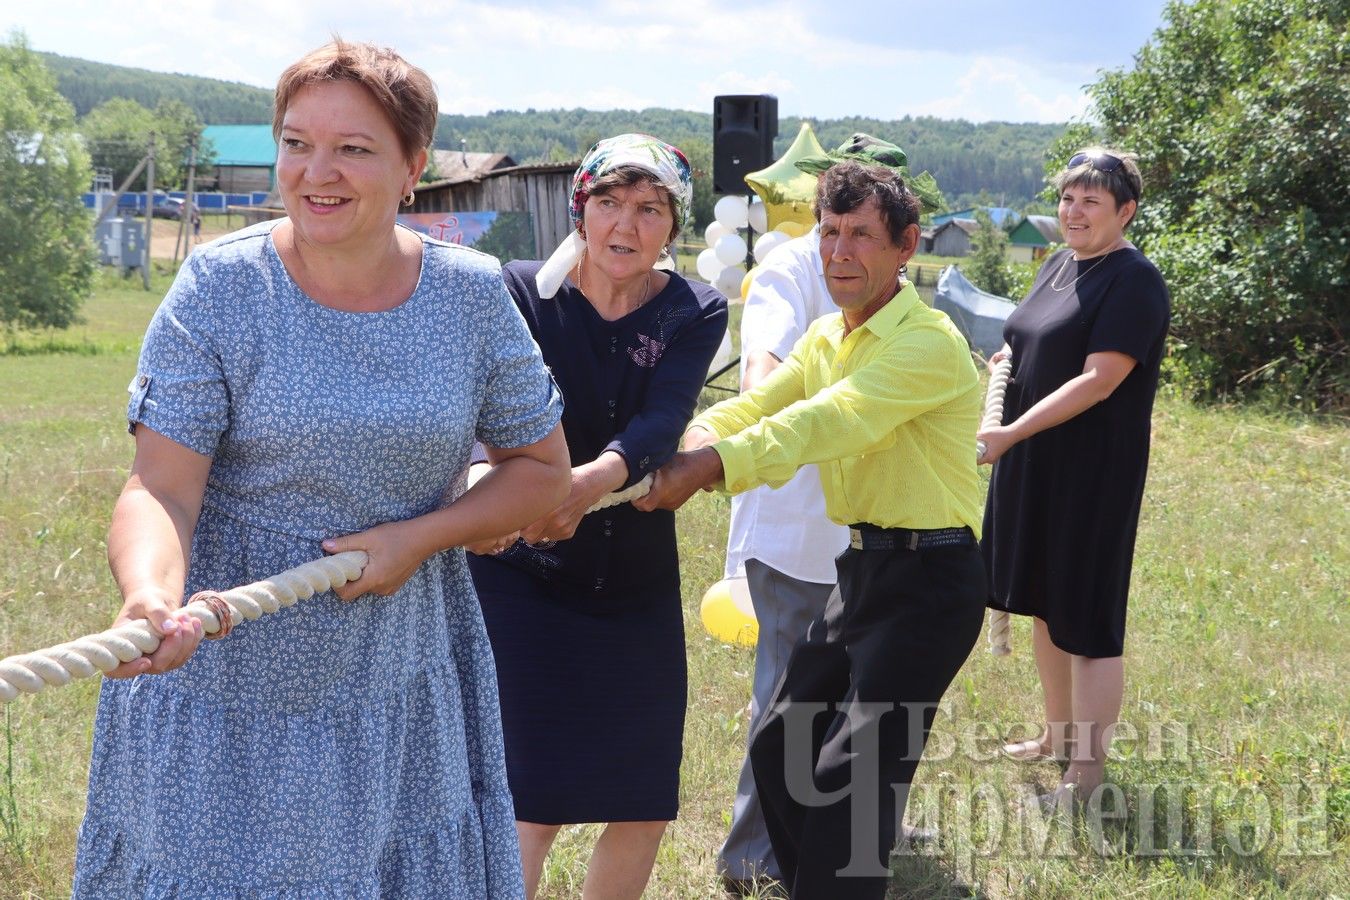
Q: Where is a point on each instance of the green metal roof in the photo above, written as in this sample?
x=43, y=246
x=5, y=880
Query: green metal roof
x=242, y=145
x=1036, y=231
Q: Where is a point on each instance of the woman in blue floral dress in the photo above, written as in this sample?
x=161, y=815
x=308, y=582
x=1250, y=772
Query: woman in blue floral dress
x=316, y=385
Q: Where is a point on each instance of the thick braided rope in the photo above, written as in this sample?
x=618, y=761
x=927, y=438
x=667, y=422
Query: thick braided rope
x=1000, y=623
x=632, y=492
x=993, y=399
x=218, y=612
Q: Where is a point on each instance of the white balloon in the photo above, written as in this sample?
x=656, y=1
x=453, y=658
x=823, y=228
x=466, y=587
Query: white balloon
x=729, y=281
x=730, y=249
x=709, y=266
x=732, y=212
x=765, y=243
x=714, y=231
x=759, y=216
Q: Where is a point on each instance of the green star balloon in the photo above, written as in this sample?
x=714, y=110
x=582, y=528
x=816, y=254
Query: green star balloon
x=787, y=191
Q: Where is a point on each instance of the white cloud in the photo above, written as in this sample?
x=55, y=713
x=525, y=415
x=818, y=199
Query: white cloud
x=597, y=54
x=733, y=81
x=1002, y=89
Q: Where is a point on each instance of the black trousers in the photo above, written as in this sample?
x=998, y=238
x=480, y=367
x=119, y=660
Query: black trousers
x=836, y=752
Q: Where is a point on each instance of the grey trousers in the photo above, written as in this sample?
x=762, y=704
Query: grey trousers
x=784, y=607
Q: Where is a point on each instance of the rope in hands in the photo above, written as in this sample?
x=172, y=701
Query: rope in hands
x=632, y=492
x=1000, y=623
x=219, y=612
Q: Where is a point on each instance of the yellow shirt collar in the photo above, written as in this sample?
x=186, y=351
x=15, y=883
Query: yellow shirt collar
x=886, y=319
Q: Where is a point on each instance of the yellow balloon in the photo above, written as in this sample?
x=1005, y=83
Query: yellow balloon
x=745, y=283
x=787, y=191
x=796, y=229
x=725, y=618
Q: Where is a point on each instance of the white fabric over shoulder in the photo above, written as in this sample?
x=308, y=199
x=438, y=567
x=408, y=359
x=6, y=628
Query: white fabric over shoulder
x=555, y=268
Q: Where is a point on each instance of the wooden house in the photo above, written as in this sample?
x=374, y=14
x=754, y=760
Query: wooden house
x=245, y=158
x=541, y=190
x=952, y=238
x=484, y=182
x=1032, y=238
x=1002, y=215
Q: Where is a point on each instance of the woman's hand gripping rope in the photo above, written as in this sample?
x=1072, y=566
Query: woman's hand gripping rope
x=496, y=545
x=218, y=612
x=988, y=447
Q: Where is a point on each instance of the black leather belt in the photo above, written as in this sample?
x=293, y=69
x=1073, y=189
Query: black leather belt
x=869, y=537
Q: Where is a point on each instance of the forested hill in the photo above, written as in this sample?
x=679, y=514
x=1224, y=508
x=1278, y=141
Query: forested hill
x=86, y=84
x=1004, y=160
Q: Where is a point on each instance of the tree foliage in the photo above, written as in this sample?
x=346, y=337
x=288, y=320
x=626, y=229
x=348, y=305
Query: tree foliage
x=699, y=150
x=510, y=237
x=987, y=266
x=1001, y=158
x=46, y=257
x=88, y=84
x=117, y=133
x=1240, y=112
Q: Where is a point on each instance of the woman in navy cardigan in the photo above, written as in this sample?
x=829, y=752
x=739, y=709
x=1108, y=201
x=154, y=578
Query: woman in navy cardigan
x=584, y=610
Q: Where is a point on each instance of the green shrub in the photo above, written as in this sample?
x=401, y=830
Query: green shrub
x=1238, y=110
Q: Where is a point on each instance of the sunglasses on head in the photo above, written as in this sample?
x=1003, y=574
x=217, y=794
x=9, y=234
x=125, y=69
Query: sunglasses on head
x=1102, y=162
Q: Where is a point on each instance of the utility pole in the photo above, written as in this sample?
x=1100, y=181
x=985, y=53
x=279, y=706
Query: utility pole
x=185, y=216
x=149, y=209
x=112, y=204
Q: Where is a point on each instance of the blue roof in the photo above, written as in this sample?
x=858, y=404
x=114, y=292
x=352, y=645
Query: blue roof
x=242, y=145
x=999, y=214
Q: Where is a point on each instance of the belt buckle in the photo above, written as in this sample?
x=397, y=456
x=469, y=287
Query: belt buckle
x=855, y=539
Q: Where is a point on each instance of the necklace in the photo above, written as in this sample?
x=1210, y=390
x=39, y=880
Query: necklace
x=1065, y=265
x=646, y=287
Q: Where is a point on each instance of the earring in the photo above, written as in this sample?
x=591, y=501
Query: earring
x=408, y=200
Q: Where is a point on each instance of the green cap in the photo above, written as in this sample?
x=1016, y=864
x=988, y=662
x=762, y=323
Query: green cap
x=870, y=151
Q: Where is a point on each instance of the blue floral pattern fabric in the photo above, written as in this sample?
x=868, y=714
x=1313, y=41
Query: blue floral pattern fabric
x=332, y=750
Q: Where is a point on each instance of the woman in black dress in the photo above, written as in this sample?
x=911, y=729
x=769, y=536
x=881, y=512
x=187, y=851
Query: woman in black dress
x=583, y=611
x=1072, y=454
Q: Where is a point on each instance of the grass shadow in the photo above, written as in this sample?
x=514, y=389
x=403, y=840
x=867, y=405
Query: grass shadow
x=1205, y=832
x=920, y=875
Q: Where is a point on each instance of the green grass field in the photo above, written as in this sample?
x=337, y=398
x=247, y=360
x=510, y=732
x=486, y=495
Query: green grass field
x=1238, y=783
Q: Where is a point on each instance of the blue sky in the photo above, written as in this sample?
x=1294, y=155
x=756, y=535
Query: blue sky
x=971, y=59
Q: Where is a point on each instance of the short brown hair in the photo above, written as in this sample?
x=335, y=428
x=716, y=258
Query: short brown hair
x=1124, y=183
x=402, y=90
x=626, y=176
x=846, y=186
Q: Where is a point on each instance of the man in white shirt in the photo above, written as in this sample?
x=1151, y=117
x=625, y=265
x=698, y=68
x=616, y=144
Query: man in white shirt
x=781, y=540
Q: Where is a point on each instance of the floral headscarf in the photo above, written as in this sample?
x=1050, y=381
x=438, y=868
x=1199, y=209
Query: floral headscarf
x=667, y=164
x=668, y=167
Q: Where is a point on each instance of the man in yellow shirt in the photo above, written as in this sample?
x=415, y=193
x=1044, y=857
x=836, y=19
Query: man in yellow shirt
x=885, y=399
